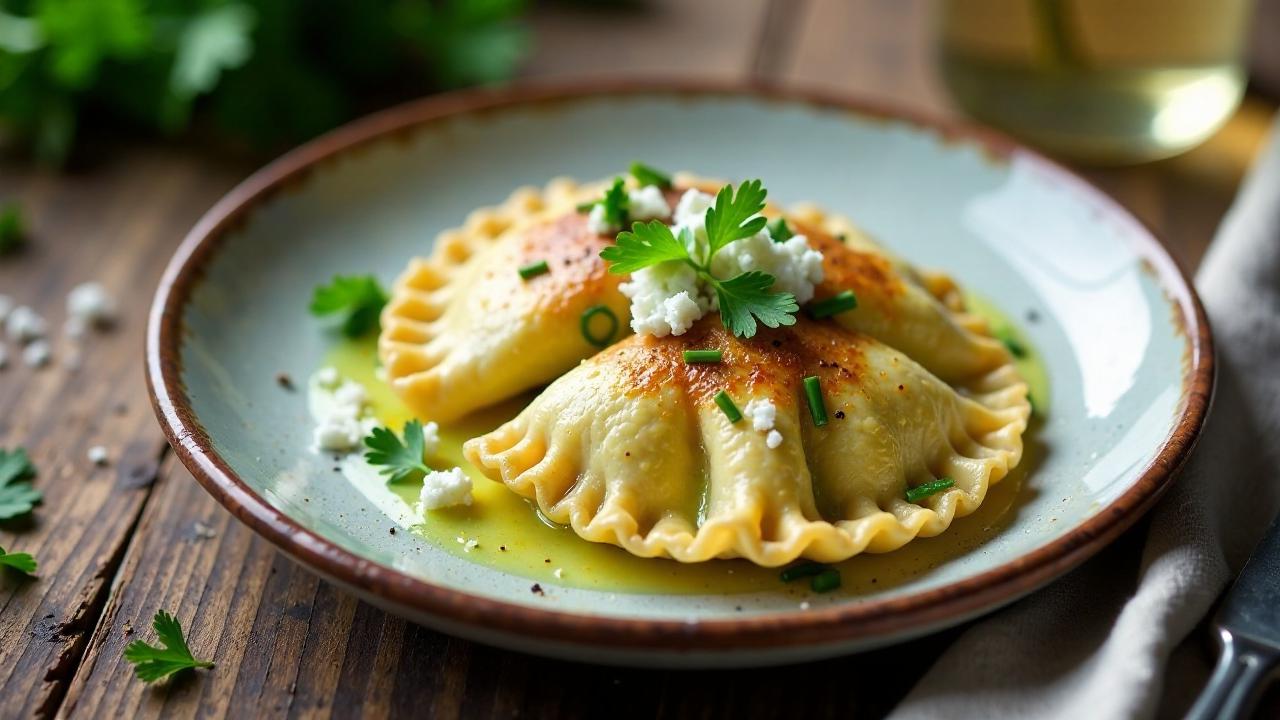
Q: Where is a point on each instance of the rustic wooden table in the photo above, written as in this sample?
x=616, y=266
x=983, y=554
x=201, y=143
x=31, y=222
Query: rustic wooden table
x=118, y=542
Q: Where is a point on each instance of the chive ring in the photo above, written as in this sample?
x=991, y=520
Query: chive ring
x=813, y=393
x=825, y=581
x=803, y=570
x=584, y=324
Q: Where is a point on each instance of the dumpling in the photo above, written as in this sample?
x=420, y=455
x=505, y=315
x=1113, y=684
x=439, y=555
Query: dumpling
x=630, y=447
x=464, y=330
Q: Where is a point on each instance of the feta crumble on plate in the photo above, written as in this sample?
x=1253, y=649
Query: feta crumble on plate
x=342, y=413
x=445, y=488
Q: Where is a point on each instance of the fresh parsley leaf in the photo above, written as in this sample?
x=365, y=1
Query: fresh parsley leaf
x=735, y=217
x=22, y=562
x=780, y=231
x=358, y=297
x=12, y=230
x=151, y=663
x=645, y=245
x=212, y=42
x=402, y=461
x=17, y=497
x=646, y=175
x=746, y=299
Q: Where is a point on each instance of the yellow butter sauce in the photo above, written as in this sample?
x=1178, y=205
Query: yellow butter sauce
x=512, y=538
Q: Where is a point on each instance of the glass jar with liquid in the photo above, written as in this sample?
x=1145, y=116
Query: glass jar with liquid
x=1105, y=81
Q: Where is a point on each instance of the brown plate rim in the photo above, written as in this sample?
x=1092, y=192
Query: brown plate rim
x=840, y=623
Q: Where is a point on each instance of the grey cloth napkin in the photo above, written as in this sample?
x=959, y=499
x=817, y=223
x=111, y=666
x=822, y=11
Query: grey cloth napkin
x=1115, y=640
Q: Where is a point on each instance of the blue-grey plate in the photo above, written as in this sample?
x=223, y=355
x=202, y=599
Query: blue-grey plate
x=1120, y=332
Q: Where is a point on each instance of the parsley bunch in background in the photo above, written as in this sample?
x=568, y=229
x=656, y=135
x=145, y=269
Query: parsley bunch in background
x=264, y=74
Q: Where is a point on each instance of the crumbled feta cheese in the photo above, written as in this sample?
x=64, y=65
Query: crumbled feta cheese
x=773, y=439
x=90, y=304
x=202, y=531
x=338, y=434
x=98, y=455
x=6, y=306
x=559, y=573
x=665, y=299
x=327, y=377
x=597, y=223
x=350, y=393
x=36, y=354
x=471, y=545
x=444, y=488
x=795, y=266
x=430, y=438
x=344, y=423
x=24, y=325
x=762, y=412
x=691, y=210
x=804, y=605
x=647, y=203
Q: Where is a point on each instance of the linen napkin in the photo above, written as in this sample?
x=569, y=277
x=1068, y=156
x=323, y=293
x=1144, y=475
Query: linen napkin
x=1115, y=640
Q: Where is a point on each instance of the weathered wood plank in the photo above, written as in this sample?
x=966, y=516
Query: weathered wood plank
x=115, y=225
x=661, y=38
x=287, y=644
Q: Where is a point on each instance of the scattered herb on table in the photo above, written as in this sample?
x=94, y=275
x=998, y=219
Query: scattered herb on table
x=17, y=497
x=744, y=299
x=359, y=299
x=22, y=562
x=12, y=228
x=920, y=492
x=151, y=663
x=401, y=461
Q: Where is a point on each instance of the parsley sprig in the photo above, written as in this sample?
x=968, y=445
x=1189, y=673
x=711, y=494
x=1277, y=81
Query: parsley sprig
x=358, y=298
x=22, y=562
x=401, y=461
x=745, y=299
x=17, y=497
x=616, y=203
x=151, y=663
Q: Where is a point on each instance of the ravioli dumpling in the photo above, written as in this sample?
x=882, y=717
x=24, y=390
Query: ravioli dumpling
x=630, y=447
x=464, y=330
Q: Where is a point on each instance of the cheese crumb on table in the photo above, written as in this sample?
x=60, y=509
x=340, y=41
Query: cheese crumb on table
x=37, y=354
x=445, y=488
x=24, y=325
x=90, y=305
x=98, y=455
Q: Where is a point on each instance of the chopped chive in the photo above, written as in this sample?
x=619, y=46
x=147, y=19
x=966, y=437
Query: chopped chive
x=534, y=269
x=586, y=206
x=826, y=581
x=920, y=492
x=838, y=303
x=584, y=324
x=780, y=231
x=1005, y=336
x=1032, y=402
x=813, y=393
x=702, y=356
x=727, y=407
x=646, y=175
x=803, y=570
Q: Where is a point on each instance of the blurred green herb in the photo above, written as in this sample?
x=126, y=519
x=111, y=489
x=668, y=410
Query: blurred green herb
x=266, y=73
x=359, y=299
x=22, y=562
x=12, y=229
x=17, y=497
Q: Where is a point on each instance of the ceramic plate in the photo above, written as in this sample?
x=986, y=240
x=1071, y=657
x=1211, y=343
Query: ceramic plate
x=1121, y=335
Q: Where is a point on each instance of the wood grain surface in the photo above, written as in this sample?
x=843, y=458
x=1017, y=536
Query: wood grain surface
x=117, y=543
